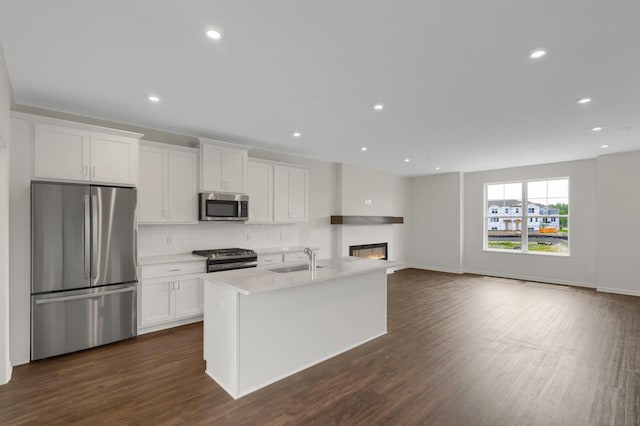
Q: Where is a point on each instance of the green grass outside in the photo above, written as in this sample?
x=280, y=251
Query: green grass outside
x=505, y=245
x=535, y=247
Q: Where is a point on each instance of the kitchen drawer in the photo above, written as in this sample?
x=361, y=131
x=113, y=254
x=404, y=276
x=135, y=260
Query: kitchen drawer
x=295, y=257
x=172, y=269
x=269, y=259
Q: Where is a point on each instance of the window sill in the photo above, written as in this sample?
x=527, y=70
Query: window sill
x=533, y=253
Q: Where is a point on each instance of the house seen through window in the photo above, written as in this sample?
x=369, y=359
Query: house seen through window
x=542, y=205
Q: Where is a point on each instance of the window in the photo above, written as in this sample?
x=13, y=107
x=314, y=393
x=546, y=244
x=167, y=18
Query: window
x=545, y=216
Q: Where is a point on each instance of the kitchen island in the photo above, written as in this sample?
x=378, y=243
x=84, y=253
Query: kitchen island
x=262, y=325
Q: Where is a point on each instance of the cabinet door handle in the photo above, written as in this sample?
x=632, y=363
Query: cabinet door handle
x=93, y=171
x=85, y=170
x=178, y=283
x=175, y=270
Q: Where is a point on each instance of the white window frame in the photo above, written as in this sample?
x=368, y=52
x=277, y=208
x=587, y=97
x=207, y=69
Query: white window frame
x=524, y=216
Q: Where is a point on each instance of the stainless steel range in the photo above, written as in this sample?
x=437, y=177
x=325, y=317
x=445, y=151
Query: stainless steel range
x=231, y=258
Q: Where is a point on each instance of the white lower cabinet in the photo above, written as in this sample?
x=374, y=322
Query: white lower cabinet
x=157, y=302
x=188, y=298
x=167, y=300
x=170, y=300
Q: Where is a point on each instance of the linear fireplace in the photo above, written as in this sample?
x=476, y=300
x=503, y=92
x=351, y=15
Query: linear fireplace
x=370, y=251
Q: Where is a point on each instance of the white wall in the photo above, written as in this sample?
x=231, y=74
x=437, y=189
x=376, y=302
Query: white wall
x=20, y=172
x=360, y=184
x=576, y=269
x=5, y=103
x=618, y=232
x=435, y=227
x=363, y=191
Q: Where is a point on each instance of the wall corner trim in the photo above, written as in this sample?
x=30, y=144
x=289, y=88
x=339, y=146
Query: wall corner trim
x=6, y=374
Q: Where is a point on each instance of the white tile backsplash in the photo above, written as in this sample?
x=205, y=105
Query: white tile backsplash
x=170, y=239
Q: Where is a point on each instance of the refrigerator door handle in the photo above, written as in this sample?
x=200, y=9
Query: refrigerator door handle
x=87, y=236
x=94, y=236
x=84, y=296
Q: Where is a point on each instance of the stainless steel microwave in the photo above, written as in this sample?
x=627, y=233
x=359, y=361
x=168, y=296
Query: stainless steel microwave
x=217, y=206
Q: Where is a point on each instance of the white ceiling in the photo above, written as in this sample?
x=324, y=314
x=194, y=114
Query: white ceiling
x=459, y=89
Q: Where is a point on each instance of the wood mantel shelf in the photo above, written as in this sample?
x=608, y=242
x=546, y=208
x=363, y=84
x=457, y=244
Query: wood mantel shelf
x=366, y=220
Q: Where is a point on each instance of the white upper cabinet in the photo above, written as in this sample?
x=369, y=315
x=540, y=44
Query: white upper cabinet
x=114, y=158
x=183, y=186
x=153, y=200
x=83, y=154
x=290, y=191
x=61, y=152
x=168, y=187
x=260, y=191
x=224, y=168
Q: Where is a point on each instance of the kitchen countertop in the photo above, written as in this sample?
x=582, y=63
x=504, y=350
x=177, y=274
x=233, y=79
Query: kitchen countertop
x=278, y=250
x=169, y=258
x=259, y=280
x=188, y=257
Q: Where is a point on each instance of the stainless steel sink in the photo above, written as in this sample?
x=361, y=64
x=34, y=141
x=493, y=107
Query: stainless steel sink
x=292, y=269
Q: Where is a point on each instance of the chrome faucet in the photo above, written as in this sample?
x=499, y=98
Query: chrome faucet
x=312, y=258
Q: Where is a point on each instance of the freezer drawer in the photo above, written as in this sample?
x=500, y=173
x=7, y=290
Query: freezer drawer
x=75, y=320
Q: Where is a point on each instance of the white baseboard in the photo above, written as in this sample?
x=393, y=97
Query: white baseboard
x=619, y=291
x=166, y=325
x=436, y=268
x=531, y=278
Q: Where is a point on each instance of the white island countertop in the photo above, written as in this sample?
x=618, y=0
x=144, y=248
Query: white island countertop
x=259, y=280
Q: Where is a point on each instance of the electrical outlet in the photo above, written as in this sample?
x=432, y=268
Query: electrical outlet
x=169, y=240
x=590, y=269
x=367, y=202
x=248, y=237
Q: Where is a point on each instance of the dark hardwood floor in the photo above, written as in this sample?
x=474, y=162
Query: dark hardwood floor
x=461, y=350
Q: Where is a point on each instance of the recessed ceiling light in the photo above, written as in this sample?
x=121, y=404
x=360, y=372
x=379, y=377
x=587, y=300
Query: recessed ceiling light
x=297, y=134
x=378, y=107
x=604, y=146
x=406, y=160
x=538, y=53
x=213, y=34
x=364, y=148
x=438, y=168
x=597, y=128
x=583, y=100
x=153, y=98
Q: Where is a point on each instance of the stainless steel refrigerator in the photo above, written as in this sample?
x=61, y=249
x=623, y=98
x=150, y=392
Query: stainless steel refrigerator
x=83, y=266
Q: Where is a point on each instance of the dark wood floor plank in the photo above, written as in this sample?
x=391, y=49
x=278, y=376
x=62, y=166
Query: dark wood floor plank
x=461, y=349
